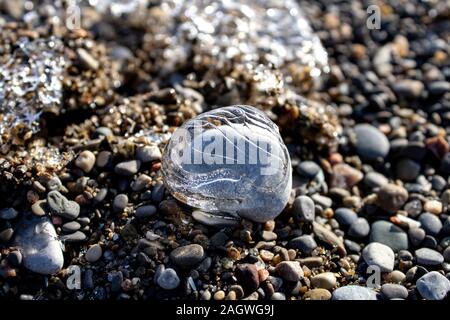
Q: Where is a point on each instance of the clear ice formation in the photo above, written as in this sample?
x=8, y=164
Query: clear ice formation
x=30, y=82
x=256, y=32
x=230, y=161
x=118, y=8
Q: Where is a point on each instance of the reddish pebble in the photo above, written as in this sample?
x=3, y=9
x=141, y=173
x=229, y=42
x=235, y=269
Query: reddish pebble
x=335, y=158
x=263, y=275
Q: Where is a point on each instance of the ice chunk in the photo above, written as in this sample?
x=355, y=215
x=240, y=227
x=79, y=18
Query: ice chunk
x=229, y=160
x=30, y=82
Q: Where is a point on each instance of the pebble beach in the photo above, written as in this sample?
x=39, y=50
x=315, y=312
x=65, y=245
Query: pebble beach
x=87, y=114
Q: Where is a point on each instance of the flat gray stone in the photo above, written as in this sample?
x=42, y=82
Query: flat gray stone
x=61, y=206
x=38, y=242
x=428, y=257
x=389, y=234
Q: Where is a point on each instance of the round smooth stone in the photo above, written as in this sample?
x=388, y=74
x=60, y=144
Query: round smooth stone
x=428, y=257
x=39, y=245
x=77, y=236
x=375, y=180
x=353, y=292
x=187, y=256
x=304, y=243
x=8, y=213
x=120, y=202
x=345, y=216
x=61, y=206
x=85, y=161
x=94, y=253
x=317, y=294
x=392, y=197
x=430, y=223
x=433, y=286
x=416, y=235
x=39, y=208
x=379, y=255
x=407, y=170
x=326, y=280
x=308, y=169
x=304, y=209
x=389, y=234
x=168, y=279
x=145, y=211
x=446, y=254
x=127, y=168
x=290, y=270
x=359, y=228
x=394, y=291
x=71, y=226
x=148, y=153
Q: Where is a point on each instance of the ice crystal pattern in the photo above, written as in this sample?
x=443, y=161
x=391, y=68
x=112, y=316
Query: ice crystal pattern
x=30, y=82
x=261, y=31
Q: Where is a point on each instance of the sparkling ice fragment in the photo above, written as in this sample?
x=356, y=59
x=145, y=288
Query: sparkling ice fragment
x=256, y=32
x=30, y=82
x=229, y=161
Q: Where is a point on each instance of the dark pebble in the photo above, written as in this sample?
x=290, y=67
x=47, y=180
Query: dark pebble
x=392, y=197
x=116, y=281
x=77, y=236
x=6, y=234
x=61, y=206
x=187, y=256
x=371, y=143
x=158, y=192
x=359, y=228
x=345, y=216
x=14, y=258
x=145, y=211
x=71, y=226
x=407, y=170
x=416, y=235
x=308, y=169
x=430, y=223
x=120, y=202
x=8, y=213
x=394, y=291
x=127, y=168
x=306, y=244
